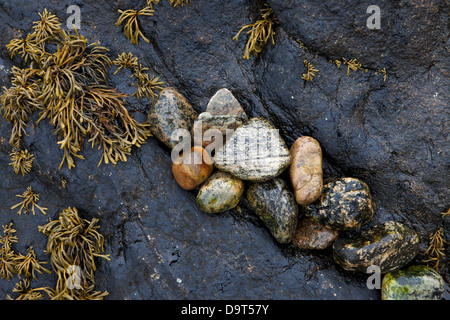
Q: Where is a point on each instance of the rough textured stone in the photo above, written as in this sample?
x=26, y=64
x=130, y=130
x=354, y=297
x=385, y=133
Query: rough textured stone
x=306, y=170
x=254, y=152
x=170, y=112
x=192, y=169
x=417, y=282
x=225, y=104
x=345, y=204
x=313, y=235
x=389, y=246
x=275, y=205
x=219, y=193
x=205, y=121
x=390, y=134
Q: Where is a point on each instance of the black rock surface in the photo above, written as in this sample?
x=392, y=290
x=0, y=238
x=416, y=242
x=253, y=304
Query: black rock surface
x=393, y=135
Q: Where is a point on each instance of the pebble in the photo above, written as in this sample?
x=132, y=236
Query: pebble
x=219, y=193
x=192, y=169
x=306, y=170
x=344, y=204
x=219, y=123
x=255, y=152
x=224, y=103
x=170, y=112
x=222, y=113
x=389, y=246
x=417, y=282
x=275, y=205
x=313, y=235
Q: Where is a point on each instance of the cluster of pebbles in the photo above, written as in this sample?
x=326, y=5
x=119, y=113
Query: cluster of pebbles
x=224, y=148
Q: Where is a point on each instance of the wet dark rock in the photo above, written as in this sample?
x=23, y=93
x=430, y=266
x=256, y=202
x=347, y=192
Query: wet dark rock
x=275, y=205
x=417, y=282
x=388, y=246
x=392, y=135
x=344, y=204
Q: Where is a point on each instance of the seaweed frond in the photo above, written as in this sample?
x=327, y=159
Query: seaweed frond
x=435, y=250
x=131, y=28
x=352, y=64
x=29, y=198
x=384, y=73
x=48, y=27
x=29, y=264
x=74, y=244
x=23, y=288
x=21, y=161
x=19, y=101
x=27, y=48
x=146, y=85
x=176, y=3
x=125, y=60
x=7, y=254
x=310, y=71
x=446, y=213
x=261, y=32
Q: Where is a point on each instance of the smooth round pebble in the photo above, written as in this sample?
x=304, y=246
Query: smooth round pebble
x=192, y=169
x=219, y=193
x=306, y=170
x=417, y=282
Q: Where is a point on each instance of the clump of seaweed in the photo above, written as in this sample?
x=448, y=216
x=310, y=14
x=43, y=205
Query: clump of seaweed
x=435, y=250
x=353, y=65
x=20, y=101
x=21, y=161
x=29, y=198
x=7, y=254
x=131, y=28
x=73, y=244
x=69, y=86
x=23, y=288
x=176, y=3
x=29, y=264
x=310, y=71
x=261, y=32
x=146, y=86
x=126, y=60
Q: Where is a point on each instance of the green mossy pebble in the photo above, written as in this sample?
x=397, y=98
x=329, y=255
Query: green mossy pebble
x=418, y=282
x=219, y=193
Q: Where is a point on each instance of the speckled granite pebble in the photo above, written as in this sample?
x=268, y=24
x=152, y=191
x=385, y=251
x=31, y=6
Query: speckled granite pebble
x=344, y=204
x=170, y=112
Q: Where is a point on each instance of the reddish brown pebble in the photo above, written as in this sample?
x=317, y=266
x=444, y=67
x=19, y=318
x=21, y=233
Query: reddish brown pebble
x=306, y=170
x=192, y=169
x=313, y=235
